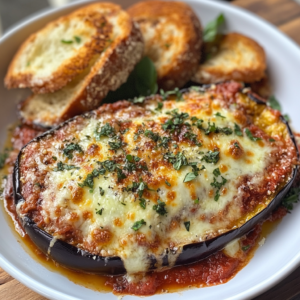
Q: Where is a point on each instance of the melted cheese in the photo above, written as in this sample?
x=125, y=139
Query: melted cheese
x=193, y=214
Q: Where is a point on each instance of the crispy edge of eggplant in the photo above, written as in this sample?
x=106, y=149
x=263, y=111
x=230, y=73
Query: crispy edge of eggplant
x=78, y=259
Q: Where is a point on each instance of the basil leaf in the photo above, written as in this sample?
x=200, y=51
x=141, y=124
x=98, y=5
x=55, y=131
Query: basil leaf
x=140, y=82
x=273, y=103
x=212, y=28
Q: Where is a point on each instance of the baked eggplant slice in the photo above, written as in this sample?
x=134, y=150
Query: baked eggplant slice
x=165, y=181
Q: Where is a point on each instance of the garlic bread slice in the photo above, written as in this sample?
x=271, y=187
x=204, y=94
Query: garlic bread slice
x=106, y=72
x=172, y=35
x=233, y=57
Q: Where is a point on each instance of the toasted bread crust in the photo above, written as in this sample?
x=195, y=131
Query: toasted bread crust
x=173, y=38
x=109, y=71
x=72, y=66
x=238, y=58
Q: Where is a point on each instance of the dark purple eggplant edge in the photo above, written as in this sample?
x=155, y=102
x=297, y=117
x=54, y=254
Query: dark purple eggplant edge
x=78, y=259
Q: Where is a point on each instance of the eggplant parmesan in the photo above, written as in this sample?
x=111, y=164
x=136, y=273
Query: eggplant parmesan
x=160, y=182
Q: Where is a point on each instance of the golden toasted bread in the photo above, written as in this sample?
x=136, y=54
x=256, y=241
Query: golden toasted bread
x=106, y=72
x=54, y=55
x=172, y=35
x=234, y=57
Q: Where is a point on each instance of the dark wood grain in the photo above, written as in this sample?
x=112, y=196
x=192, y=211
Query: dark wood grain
x=285, y=14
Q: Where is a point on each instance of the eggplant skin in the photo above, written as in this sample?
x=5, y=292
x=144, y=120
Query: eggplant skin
x=81, y=260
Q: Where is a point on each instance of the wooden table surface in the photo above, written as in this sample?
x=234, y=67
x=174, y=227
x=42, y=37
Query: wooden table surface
x=285, y=14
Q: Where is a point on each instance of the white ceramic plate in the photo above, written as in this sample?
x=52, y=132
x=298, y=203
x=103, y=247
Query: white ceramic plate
x=276, y=259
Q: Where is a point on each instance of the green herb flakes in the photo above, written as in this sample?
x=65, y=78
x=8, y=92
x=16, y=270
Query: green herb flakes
x=187, y=225
x=138, y=224
x=62, y=167
x=217, y=172
x=218, y=114
x=237, y=130
x=99, y=211
x=245, y=248
x=251, y=137
x=70, y=149
x=101, y=191
x=142, y=203
x=211, y=157
x=160, y=208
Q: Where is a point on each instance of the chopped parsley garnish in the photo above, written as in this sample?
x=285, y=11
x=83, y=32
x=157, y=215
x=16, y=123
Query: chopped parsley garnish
x=196, y=201
x=210, y=128
x=99, y=211
x=139, y=132
x=251, y=137
x=187, y=225
x=107, y=165
x=176, y=92
x=117, y=144
x=245, y=248
x=142, y=203
x=218, y=114
x=77, y=39
x=138, y=224
x=67, y=41
x=217, y=172
x=138, y=187
x=70, y=148
x=237, y=130
x=291, y=198
x=225, y=130
x=167, y=183
x=216, y=184
x=274, y=103
x=120, y=174
x=101, y=191
x=176, y=121
x=159, y=107
x=164, y=142
x=192, y=137
x=130, y=163
x=160, y=208
x=177, y=160
x=54, y=158
x=106, y=130
x=211, y=157
x=271, y=140
x=236, y=145
x=61, y=167
x=152, y=135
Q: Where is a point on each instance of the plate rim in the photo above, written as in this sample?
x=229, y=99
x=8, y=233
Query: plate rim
x=51, y=293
